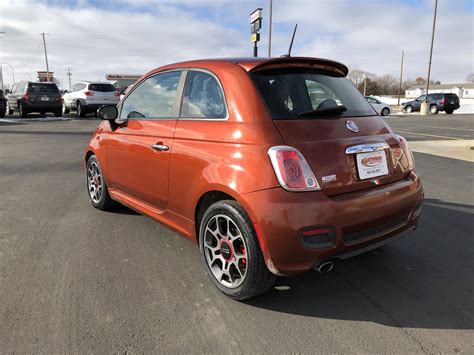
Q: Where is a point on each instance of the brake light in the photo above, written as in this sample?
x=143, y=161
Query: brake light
x=407, y=150
x=26, y=97
x=117, y=94
x=88, y=93
x=292, y=170
x=443, y=101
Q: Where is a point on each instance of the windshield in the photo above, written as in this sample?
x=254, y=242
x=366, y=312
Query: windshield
x=102, y=87
x=40, y=88
x=308, y=93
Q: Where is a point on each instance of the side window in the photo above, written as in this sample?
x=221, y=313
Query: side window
x=371, y=100
x=74, y=87
x=80, y=87
x=153, y=98
x=203, y=97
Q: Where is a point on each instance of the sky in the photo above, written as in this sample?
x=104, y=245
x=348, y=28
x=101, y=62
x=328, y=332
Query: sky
x=95, y=37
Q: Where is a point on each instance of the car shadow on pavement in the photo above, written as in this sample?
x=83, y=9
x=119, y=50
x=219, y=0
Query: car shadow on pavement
x=421, y=281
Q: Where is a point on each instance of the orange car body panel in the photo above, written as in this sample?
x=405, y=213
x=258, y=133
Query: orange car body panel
x=230, y=156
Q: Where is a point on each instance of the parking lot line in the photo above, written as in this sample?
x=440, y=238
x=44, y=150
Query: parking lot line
x=453, y=129
x=428, y=135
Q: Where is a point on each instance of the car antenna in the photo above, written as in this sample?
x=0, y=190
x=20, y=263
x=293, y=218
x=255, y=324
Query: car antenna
x=291, y=43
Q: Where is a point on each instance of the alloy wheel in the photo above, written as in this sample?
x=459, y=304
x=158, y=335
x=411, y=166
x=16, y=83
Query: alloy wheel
x=94, y=182
x=225, y=251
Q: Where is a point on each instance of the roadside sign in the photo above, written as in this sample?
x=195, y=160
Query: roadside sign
x=257, y=14
x=255, y=37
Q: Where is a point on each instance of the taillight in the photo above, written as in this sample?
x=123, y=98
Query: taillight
x=88, y=93
x=443, y=101
x=26, y=97
x=117, y=94
x=292, y=170
x=407, y=150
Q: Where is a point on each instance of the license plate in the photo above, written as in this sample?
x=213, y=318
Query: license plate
x=371, y=165
x=44, y=98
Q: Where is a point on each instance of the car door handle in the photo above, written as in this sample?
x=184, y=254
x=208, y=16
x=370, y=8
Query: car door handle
x=160, y=147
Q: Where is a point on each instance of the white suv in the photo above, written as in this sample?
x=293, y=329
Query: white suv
x=87, y=97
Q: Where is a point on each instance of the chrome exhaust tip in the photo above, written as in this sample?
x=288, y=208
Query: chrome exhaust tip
x=325, y=267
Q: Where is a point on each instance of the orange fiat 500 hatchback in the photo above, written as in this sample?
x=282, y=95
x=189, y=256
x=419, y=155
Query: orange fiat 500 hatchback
x=271, y=166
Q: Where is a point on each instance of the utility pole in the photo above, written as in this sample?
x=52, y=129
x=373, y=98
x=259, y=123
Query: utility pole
x=270, y=30
x=1, y=68
x=69, y=74
x=365, y=86
x=401, y=78
x=424, y=110
x=45, y=57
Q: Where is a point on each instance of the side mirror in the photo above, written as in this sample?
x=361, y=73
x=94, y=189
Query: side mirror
x=108, y=112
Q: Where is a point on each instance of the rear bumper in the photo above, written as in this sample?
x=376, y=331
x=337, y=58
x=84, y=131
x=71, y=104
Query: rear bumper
x=361, y=221
x=43, y=107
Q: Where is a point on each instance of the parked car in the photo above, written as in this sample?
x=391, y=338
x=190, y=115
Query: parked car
x=382, y=109
x=86, y=97
x=3, y=104
x=236, y=156
x=28, y=97
x=438, y=102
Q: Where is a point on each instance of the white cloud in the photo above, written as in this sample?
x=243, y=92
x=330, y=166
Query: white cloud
x=128, y=36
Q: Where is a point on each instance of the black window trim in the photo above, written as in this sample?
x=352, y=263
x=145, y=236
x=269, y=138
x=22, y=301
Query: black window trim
x=177, y=99
x=226, y=118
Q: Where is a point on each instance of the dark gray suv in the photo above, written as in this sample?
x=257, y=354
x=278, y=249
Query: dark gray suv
x=27, y=97
x=438, y=102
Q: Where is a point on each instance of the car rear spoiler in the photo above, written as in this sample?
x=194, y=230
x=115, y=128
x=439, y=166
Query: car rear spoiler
x=300, y=62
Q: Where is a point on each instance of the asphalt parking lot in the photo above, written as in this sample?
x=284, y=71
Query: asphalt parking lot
x=74, y=279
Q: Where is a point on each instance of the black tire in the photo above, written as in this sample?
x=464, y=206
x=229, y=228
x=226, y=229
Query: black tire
x=58, y=113
x=80, y=110
x=257, y=278
x=409, y=109
x=104, y=202
x=65, y=110
x=9, y=109
x=385, y=111
x=434, y=109
x=23, y=111
x=449, y=112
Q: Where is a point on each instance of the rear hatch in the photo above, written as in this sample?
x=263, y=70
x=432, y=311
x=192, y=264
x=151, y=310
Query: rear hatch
x=103, y=93
x=44, y=94
x=451, y=100
x=320, y=113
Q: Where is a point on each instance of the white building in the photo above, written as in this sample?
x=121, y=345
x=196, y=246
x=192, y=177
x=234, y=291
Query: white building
x=464, y=91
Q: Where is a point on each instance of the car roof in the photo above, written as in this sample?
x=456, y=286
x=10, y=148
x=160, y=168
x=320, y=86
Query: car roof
x=254, y=64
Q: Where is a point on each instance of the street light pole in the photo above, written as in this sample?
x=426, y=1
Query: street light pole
x=270, y=30
x=11, y=68
x=401, y=78
x=46, y=57
x=424, y=110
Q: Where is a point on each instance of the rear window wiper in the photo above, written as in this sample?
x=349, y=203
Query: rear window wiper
x=335, y=110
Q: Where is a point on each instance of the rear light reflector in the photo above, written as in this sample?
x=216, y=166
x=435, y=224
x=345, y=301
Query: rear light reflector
x=417, y=211
x=292, y=170
x=404, y=144
x=88, y=93
x=319, y=237
x=26, y=97
x=117, y=94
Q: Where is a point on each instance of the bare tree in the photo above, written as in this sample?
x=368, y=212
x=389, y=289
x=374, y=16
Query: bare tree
x=357, y=76
x=470, y=78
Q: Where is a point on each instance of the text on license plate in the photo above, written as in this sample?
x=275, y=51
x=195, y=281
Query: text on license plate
x=44, y=98
x=373, y=164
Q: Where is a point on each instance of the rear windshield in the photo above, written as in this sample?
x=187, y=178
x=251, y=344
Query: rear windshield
x=40, y=88
x=102, y=87
x=296, y=93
